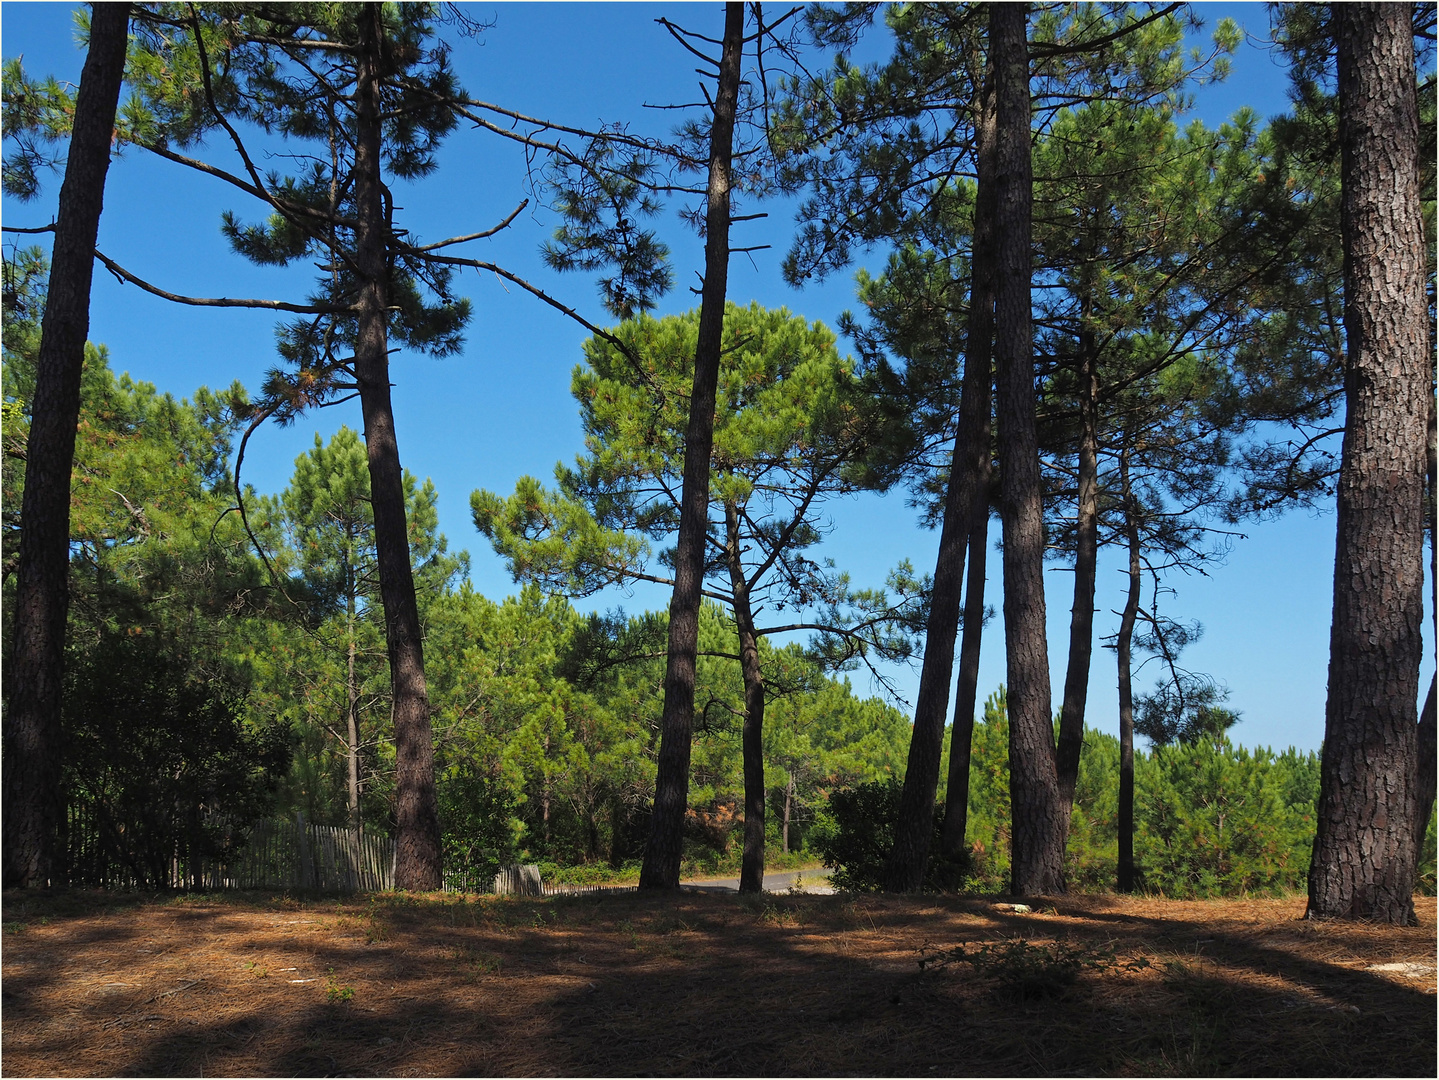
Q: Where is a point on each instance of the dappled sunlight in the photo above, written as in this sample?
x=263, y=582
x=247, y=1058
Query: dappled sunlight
x=702, y=984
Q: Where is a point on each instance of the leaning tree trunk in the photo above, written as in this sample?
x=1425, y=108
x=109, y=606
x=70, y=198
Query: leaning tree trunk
x=31, y=799
x=1123, y=645
x=1364, y=852
x=751, y=878
x=1037, y=865
x=978, y=359
x=661, y=868
x=905, y=869
x=417, y=840
x=1081, y=617
x=961, y=739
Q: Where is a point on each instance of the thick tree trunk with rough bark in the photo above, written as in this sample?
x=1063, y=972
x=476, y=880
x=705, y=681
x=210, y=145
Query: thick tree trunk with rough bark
x=417, y=841
x=1038, y=833
x=35, y=670
x=1123, y=645
x=1081, y=618
x=661, y=868
x=970, y=460
x=1364, y=851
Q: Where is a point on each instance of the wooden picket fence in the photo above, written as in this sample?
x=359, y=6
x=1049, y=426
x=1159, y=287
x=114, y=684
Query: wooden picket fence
x=289, y=854
x=300, y=855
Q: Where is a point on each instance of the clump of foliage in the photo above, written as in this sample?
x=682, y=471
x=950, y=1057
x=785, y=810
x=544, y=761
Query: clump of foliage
x=477, y=829
x=1211, y=819
x=856, y=832
x=1021, y=969
x=159, y=763
x=1216, y=819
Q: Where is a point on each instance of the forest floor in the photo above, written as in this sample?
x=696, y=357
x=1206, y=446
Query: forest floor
x=625, y=984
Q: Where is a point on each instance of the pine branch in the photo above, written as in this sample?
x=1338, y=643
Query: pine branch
x=534, y=290
x=201, y=301
x=475, y=236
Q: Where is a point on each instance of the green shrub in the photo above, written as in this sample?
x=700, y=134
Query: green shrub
x=478, y=832
x=855, y=834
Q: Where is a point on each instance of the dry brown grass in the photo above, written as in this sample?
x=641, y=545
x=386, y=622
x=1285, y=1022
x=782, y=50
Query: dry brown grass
x=700, y=985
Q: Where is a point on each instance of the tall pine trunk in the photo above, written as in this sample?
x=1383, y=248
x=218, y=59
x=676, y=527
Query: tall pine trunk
x=979, y=351
x=661, y=868
x=1123, y=646
x=1037, y=865
x=34, y=674
x=961, y=739
x=751, y=878
x=352, y=720
x=968, y=463
x=1081, y=617
x=417, y=841
x=1364, y=851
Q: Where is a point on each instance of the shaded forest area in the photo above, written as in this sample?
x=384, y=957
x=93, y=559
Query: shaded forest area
x=1100, y=323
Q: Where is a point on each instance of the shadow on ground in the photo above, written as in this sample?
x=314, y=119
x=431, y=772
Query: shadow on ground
x=705, y=984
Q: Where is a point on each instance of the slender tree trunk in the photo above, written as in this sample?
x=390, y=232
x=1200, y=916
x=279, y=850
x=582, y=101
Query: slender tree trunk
x=1426, y=762
x=352, y=723
x=1123, y=645
x=33, y=677
x=1081, y=618
x=1037, y=865
x=788, y=802
x=1364, y=851
x=956, y=795
x=970, y=459
x=661, y=869
x=751, y=878
x=417, y=841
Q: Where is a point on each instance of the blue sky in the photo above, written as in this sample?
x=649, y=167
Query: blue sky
x=502, y=408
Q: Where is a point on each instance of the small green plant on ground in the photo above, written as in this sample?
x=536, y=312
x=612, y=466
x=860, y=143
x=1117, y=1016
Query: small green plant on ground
x=337, y=993
x=1022, y=969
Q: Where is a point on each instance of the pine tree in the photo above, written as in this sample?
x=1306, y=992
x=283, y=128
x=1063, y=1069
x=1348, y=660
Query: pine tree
x=1365, y=853
x=35, y=669
x=790, y=433
x=876, y=173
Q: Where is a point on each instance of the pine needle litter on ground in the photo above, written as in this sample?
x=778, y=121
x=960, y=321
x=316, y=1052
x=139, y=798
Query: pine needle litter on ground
x=708, y=984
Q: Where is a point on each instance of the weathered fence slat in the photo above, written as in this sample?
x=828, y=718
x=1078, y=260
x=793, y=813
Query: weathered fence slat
x=519, y=881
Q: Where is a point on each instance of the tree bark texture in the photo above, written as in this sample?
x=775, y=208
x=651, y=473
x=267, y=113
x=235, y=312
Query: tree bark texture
x=751, y=878
x=33, y=677
x=1364, y=851
x=968, y=463
x=1123, y=645
x=1081, y=617
x=417, y=841
x=1038, y=832
x=661, y=867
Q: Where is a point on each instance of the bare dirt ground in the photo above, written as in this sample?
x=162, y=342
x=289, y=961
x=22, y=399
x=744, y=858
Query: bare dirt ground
x=706, y=984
